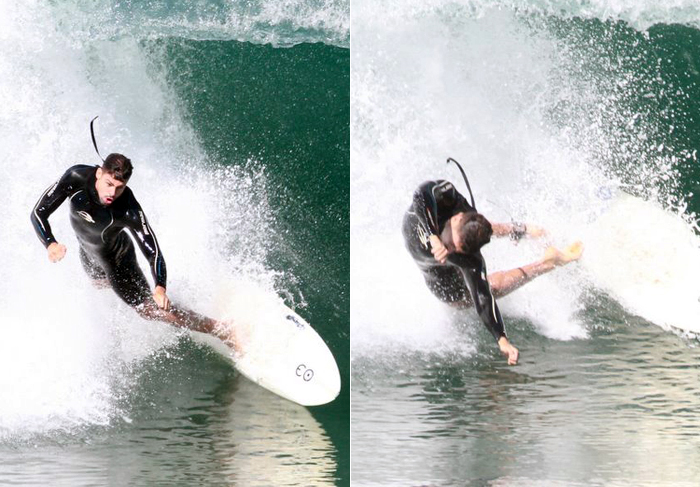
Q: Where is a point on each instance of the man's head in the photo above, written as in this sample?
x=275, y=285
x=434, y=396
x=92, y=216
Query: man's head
x=467, y=232
x=112, y=177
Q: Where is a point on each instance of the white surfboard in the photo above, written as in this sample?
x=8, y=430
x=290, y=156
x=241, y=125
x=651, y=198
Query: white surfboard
x=277, y=349
x=648, y=259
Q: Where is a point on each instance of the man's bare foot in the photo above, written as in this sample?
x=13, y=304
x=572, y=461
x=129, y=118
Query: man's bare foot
x=561, y=257
x=224, y=331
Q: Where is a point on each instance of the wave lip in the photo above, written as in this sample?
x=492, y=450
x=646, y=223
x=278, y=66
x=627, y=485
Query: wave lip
x=284, y=23
x=641, y=15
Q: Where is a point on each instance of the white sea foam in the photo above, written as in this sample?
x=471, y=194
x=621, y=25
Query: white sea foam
x=640, y=14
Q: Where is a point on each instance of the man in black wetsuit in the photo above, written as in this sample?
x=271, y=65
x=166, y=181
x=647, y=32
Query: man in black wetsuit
x=444, y=235
x=101, y=209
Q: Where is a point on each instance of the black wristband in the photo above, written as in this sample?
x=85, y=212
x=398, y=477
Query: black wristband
x=519, y=230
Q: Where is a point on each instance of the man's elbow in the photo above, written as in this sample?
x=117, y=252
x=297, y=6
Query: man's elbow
x=36, y=223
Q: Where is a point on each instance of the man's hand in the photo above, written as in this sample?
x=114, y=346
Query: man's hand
x=161, y=298
x=438, y=249
x=56, y=251
x=508, y=350
x=535, y=231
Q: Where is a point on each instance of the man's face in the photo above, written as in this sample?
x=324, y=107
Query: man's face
x=108, y=188
x=456, y=222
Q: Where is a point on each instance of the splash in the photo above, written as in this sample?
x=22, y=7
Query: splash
x=641, y=15
x=543, y=111
x=72, y=350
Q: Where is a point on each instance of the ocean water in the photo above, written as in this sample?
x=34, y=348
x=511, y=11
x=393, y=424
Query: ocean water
x=582, y=117
x=236, y=118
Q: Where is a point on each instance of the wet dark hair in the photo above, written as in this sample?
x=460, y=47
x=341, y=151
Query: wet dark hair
x=118, y=166
x=475, y=232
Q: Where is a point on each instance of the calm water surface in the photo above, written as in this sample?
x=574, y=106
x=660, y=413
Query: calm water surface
x=182, y=425
x=621, y=407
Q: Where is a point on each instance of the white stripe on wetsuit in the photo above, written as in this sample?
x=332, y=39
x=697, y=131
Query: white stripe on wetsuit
x=50, y=189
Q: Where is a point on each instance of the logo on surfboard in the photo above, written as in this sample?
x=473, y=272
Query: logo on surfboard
x=305, y=373
x=294, y=320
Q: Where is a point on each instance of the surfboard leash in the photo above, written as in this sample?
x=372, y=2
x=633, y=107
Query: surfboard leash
x=92, y=133
x=471, y=195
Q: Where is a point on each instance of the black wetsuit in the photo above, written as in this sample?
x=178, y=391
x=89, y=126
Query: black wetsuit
x=463, y=276
x=106, y=251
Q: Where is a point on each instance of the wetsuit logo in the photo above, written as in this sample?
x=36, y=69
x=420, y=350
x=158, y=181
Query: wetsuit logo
x=423, y=237
x=143, y=222
x=53, y=189
x=86, y=216
x=444, y=187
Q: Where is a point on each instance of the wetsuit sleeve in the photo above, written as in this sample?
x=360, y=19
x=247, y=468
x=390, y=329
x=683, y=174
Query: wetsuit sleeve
x=146, y=239
x=473, y=268
x=48, y=203
x=437, y=197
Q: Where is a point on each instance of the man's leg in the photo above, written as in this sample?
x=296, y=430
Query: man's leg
x=505, y=282
x=178, y=316
x=129, y=283
x=97, y=275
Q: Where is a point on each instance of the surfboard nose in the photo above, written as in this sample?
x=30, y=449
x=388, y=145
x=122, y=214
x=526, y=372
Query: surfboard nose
x=279, y=350
x=326, y=372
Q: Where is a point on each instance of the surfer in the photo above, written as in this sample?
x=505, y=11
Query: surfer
x=101, y=208
x=444, y=235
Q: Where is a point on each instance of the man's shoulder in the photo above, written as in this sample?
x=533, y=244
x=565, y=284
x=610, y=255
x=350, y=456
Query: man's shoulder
x=442, y=186
x=82, y=169
x=437, y=186
x=127, y=203
x=79, y=172
x=432, y=182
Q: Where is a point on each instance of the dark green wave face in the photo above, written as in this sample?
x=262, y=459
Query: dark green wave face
x=678, y=49
x=284, y=112
x=640, y=119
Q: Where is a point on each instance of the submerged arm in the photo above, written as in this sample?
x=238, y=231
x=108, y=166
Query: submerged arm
x=473, y=269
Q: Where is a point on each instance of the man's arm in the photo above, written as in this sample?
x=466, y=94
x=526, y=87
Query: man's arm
x=137, y=223
x=516, y=230
x=473, y=269
x=50, y=200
